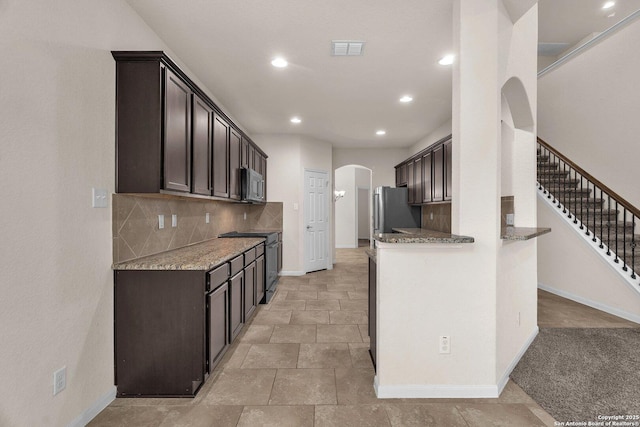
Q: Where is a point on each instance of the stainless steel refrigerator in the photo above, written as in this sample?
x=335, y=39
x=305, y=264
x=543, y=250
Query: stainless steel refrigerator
x=392, y=210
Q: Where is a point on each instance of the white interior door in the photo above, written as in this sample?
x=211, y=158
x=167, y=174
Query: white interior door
x=316, y=218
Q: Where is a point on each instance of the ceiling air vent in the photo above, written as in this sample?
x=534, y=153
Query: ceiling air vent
x=347, y=48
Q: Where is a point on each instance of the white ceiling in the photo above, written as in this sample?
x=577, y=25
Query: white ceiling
x=229, y=44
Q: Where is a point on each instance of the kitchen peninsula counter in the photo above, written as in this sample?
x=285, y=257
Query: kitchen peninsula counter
x=420, y=235
x=200, y=256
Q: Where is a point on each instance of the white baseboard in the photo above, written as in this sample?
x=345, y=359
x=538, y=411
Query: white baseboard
x=594, y=304
x=431, y=391
x=93, y=410
x=292, y=273
x=418, y=391
x=346, y=247
x=505, y=377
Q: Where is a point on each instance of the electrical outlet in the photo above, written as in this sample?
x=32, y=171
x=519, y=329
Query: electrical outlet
x=98, y=198
x=295, y=206
x=160, y=222
x=445, y=344
x=510, y=219
x=174, y=220
x=431, y=216
x=59, y=380
x=245, y=216
x=518, y=318
x=206, y=218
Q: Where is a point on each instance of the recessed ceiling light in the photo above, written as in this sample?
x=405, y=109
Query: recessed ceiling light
x=447, y=60
x=609, y=5
x=279, y=62
x=381, y=132
x=296, y=120
x=406, y=98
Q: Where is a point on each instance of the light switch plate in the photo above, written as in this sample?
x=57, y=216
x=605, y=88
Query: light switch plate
x=160, y=222
x=174, y=220
x=206, y=218
x=98, y=198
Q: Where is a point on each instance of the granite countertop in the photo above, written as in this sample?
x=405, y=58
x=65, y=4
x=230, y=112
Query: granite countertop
x=420, y=235
x=522, y=233
x=372, y=253
x=201, y=256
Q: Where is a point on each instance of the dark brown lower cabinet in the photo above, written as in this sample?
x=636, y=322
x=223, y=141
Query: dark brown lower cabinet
x=249, y=290
x=260, y=279
x=159, y=332
x=372, y=311
x=218, y=310
x=172, y=327
x=236, y=311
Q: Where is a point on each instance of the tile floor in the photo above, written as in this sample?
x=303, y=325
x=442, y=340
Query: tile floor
x=303, y=361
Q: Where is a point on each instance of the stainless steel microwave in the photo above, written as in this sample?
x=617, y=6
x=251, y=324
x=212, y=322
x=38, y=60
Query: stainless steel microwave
x=252, y=185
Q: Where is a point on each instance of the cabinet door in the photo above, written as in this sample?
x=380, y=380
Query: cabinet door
x=234, y=165
x=244, y=162
x=410, y=182
x=260, y=279
x=438, y=174
x=279, y=252
x=249, y=290
x=202, y=138
x=236, y=312
x=251, y=157
x=218, y=310
x=426, y=178
x=177, y=134
x=417, y=178
x=220, y=157
x=372, y=311
x=403, y=175
x=264, y=178
x=447, y=170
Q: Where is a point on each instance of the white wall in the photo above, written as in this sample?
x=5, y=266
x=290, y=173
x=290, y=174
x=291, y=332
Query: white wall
x=572, y=268
x=289, y=156
x=588, y=110
x=345, y=208
x=57, y=102
x=364, y=203
x=381, y=161
x=440, y=132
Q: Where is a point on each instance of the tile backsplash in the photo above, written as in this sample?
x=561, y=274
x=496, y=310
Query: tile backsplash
x=441, y=217
x=135, y=222
x=506, y=207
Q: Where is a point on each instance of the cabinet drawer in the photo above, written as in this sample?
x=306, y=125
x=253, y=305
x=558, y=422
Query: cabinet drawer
x=249, y=256
x=237, y=264
x=259, y=249
x=218, y=276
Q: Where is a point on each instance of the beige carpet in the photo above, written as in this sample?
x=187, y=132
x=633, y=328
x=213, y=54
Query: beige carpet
x=581, y=374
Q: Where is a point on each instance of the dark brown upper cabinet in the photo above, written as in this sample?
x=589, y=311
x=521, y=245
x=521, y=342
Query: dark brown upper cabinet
x=447, y=169
x=170, y=136
x=411, y=184
x=438, y=174
x=251, y=157
x=417, y=179
x=221, y=132
x=427, y=174
x=177, y=134
x=401, y=175
x=244, y=161
x=426, y=178
x=202, y=139
x=235, y=145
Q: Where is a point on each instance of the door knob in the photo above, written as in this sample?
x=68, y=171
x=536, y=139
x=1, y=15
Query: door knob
x=308, y=227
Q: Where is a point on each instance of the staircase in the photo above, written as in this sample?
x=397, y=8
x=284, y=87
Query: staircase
x=600, y=213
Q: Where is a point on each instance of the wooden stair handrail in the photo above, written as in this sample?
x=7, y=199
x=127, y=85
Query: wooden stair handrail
x=628, y=206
